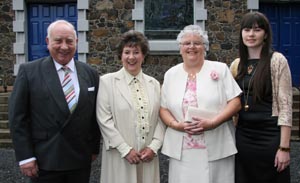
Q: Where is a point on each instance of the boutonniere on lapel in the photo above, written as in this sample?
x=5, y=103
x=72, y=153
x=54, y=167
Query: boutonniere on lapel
x=214, y=75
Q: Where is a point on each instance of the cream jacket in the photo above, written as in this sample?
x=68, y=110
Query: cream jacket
x=211, y=94
x=281, y=88
x=116, y=118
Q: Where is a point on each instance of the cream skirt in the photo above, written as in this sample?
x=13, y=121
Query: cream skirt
x=195, y=168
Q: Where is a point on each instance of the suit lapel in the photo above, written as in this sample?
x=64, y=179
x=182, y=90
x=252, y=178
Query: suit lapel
x=83, y=81
x=54, y=85
x=123, y=87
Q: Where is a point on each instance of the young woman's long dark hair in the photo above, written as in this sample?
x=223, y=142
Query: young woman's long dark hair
x=262, y=79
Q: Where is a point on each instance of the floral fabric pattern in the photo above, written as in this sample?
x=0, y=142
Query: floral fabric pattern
x=190, y=99
x=282, y=89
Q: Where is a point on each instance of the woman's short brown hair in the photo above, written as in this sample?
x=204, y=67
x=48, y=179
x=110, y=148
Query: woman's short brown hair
x=132, y=39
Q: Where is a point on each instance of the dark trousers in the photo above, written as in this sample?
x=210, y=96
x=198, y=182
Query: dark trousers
x=70, y=176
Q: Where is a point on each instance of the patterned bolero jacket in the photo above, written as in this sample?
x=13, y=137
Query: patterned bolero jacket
x=281, y=87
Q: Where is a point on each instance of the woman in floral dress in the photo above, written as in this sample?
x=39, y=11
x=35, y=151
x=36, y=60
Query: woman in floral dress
x=198, y=99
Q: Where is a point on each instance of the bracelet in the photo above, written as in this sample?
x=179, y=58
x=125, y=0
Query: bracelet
x=284, y=149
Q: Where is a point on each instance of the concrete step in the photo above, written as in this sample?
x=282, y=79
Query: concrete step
x=295, y=131
x=4, y=124
x=6, y=143
x=296, y=105
x=5, y=134
x=296, y=113
x=296, y=122
x=4, y=98
x=295, y=138
x=296, y=98
x=3, y=115
x=3, y=107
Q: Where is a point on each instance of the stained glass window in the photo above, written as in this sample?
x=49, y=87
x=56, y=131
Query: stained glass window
x=165, y=18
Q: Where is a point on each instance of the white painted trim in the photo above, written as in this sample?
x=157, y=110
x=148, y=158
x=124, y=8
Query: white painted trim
x=138, y=14
x=83, y=4
x=19, y=48
x=166, y=45
x=18, y=26
x=18, y=5
x=252, y=4
x=82, y=25
x=19, y=45
x=82, y=30
x=82, y=48
x=200, y=14
x=139, y=24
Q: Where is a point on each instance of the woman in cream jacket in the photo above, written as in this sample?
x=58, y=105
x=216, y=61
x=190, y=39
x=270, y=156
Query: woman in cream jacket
x=128, y=114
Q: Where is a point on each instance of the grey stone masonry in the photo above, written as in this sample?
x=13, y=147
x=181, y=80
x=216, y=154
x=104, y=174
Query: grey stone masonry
x=7, y=38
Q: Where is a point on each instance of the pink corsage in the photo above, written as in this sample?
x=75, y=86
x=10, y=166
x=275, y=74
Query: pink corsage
x=214, y=75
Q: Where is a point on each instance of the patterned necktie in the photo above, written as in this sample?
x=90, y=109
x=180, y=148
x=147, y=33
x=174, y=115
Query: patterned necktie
x=69, y=89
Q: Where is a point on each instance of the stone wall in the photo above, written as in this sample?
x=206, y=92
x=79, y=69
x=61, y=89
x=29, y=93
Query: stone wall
x=108, y=19
x=7, y=38
x=223, y=24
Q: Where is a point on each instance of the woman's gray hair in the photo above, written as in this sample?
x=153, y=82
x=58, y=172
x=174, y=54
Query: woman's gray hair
x=52, y=25
x=194, y=29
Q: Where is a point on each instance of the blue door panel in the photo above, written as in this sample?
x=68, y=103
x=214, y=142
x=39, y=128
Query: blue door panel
x=59, y=11
x=39, y=19
x=72, y=11
x=285, y=22
x=272, y=13
x=40, y=16
x=275, y=34
x=290, y=31
x=46, y=11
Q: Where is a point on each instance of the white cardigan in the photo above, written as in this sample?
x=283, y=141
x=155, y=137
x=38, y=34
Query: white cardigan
x=211, y=94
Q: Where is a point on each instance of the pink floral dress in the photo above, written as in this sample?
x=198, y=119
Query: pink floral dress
x=190, y=99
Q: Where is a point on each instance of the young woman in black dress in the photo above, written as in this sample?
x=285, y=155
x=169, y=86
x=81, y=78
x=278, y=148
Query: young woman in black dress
x=264, y=123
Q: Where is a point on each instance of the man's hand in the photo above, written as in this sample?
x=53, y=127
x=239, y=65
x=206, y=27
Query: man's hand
x=30, y=169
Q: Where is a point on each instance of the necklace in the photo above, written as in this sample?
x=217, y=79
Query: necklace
x=192, y=76
x=250, y=69
x=246, y=96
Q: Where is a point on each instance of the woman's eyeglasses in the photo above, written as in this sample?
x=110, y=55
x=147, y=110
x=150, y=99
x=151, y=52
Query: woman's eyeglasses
x=190, y=44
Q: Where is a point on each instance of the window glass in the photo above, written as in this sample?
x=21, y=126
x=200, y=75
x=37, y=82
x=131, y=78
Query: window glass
x=165, y=18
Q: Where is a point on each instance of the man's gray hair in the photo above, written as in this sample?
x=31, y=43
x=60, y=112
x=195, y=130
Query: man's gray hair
x=53, y=24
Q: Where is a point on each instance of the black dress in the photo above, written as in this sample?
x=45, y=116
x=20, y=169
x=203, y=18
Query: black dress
x=257, y=139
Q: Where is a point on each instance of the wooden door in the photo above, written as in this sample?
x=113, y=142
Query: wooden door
x=39, y=17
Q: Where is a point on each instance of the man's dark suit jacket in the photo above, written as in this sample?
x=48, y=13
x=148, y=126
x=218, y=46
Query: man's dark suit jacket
x=41, y=123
